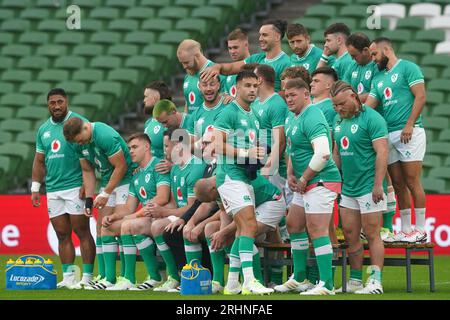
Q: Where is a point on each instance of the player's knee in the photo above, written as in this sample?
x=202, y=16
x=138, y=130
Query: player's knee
x=126, y=228
x=64, y=236
x=211, y=227
x=157, y=228
x=82, y=232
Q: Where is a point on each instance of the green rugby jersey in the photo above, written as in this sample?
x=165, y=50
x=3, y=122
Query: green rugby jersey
x=309, y=61
x=146, y=181
x=191, y=92
x=105, y=143
x=264, y=190
x=279, y=63
x=326, y=106
x=360, y=76
x=354, y=139
x=155, y=131
x=204, y=117
x=341, y=64
x=230, y=85
x=183, y=179
x=392, y=88
x=271, y=113
x=63, y=170
x=241, y=127
x=305, y=127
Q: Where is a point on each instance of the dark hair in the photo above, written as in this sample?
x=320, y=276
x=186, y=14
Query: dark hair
x=72, y=128
x=358, y=40
x=327, y=71
x=140, y=136
x=279, y=26
x=237, y=34
x=249, y=67
x=245, y=74
x=296, y=72
x=337, y=28
x=296, y=29
x=382, y=39
x=296, y=83
x=56, y=92
x=161, y=87
x=267, y=73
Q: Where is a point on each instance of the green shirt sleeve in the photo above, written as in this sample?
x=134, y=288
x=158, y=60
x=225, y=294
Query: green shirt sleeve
x=377, y=126
x=132, y=189
x=195, y=174
x=278, y=114
x=109, y=144
x=315, y=125
x=226, y=121
x=413, y=74
x=161, y=179
x=39, y=145
x=373, y=90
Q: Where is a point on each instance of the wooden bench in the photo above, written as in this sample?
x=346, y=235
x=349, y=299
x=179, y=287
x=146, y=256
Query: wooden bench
x=340, y=259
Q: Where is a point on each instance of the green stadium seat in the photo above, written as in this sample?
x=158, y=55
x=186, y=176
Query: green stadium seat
x=28, y=137
x=35, y=87
x=198, y=26
x=15, y=4
x=439, y=148
x=322, y=11
x=72, y=87
x=173, y=37
x=120, y=3
x=106, y=62
x=123, y=50
x=442, y=85
x=446, y=73
x=53, y=25
x=53, y=75
x=434, y=35
x=33, y=63
x=33, y=38
x=429, y=73
x=444, y=136
x=156, y=4
x=5, y=168
x=157, y=25
x=91, y=25
x=6, y=87
x=317, y=37
x=6, y=112
x=105, y=37
x=16, y=50
x=6, y=136
x=70, y=62
x=354, y=11
x=447, y=162
x=435, y=125
x=398, y=35
x=21, y=154
x=51, y=50
x=46, y=4
x=33, y=113
x=40, y=99
x=312, y=24
x=436, y=60
x=6, y=14
x=410, y=57
x=6, y=38
x=15, y=25
x=350, y=22
x=411, y=23
x=430, y=161
x=93, y=104
x=88, y=4
x=16, y=75
x=15, y=100
x=434, y=97
x=407, y=3
x=338, y=3
x=123, y=25
x=190, y=3
x=233, y=4
x=34, y=14
x=128, y=77
x=88, y=50
x=164, y=51
x=143, y=63
x=6, y=63
x=70, y=38
x=442, y=110
x=15, y=125
x=140, y=13
x=88, y=75
x=215, y=18
x=416, y=47
x=433, y=185
x=441, y=173
x=384, y=25
x=112, y=88
x=103, y=13
x=140, y=37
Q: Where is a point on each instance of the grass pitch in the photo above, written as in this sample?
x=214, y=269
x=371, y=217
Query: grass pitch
x=394, y=282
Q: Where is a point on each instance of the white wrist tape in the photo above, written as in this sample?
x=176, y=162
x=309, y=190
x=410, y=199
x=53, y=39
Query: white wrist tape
x=172, y=218
x=103, y=194
x=35, y=186
x=321, y=153
x=243, y=153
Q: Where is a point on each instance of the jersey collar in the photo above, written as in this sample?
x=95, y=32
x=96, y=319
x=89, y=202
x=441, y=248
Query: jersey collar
x=267, y=99
x=214, y=107
x=239, y=106
x=148, y=164
x=311, y=46
x=276, y=58
x=393, y=67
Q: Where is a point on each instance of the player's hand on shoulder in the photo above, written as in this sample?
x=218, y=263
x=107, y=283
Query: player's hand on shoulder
x=164, y=166
x=227, y=98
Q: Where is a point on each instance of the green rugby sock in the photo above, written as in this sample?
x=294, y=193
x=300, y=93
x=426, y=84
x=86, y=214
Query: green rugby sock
x=129, y=252
x=110, y=248
x=299, y=248
x=324, y=256
x=168, y=258
x=218, y=263
x=147, y=250
x=100, y=258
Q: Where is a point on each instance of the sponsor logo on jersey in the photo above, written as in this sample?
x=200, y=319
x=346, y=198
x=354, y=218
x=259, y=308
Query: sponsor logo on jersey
x=257, y=124
x=247, y=198
x=156, y=129
x=345, y=143
x=306, y=66
x=251, y=136
x=354, y=74
x=136, y=182
x=277, y=197
x=233, y=91
x=179, y=194
x=337, y=129
x=85, y=152
x=191, y=97
x=46, y=135
x=368, y=74
x=260, y=112
x=147, y=177
x=387, y=93
x=200, y=121
x=367, y=205
x=56, y=145
x=185, y=85
x=380, y=84
x=209, y=128
x=229, y=78
x=142, y=192
x=360, y=88
x=354, y=128
x=182, y=181
x=394, y=77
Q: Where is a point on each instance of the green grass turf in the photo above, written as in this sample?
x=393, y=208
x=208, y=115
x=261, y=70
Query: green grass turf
x=394, y=282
